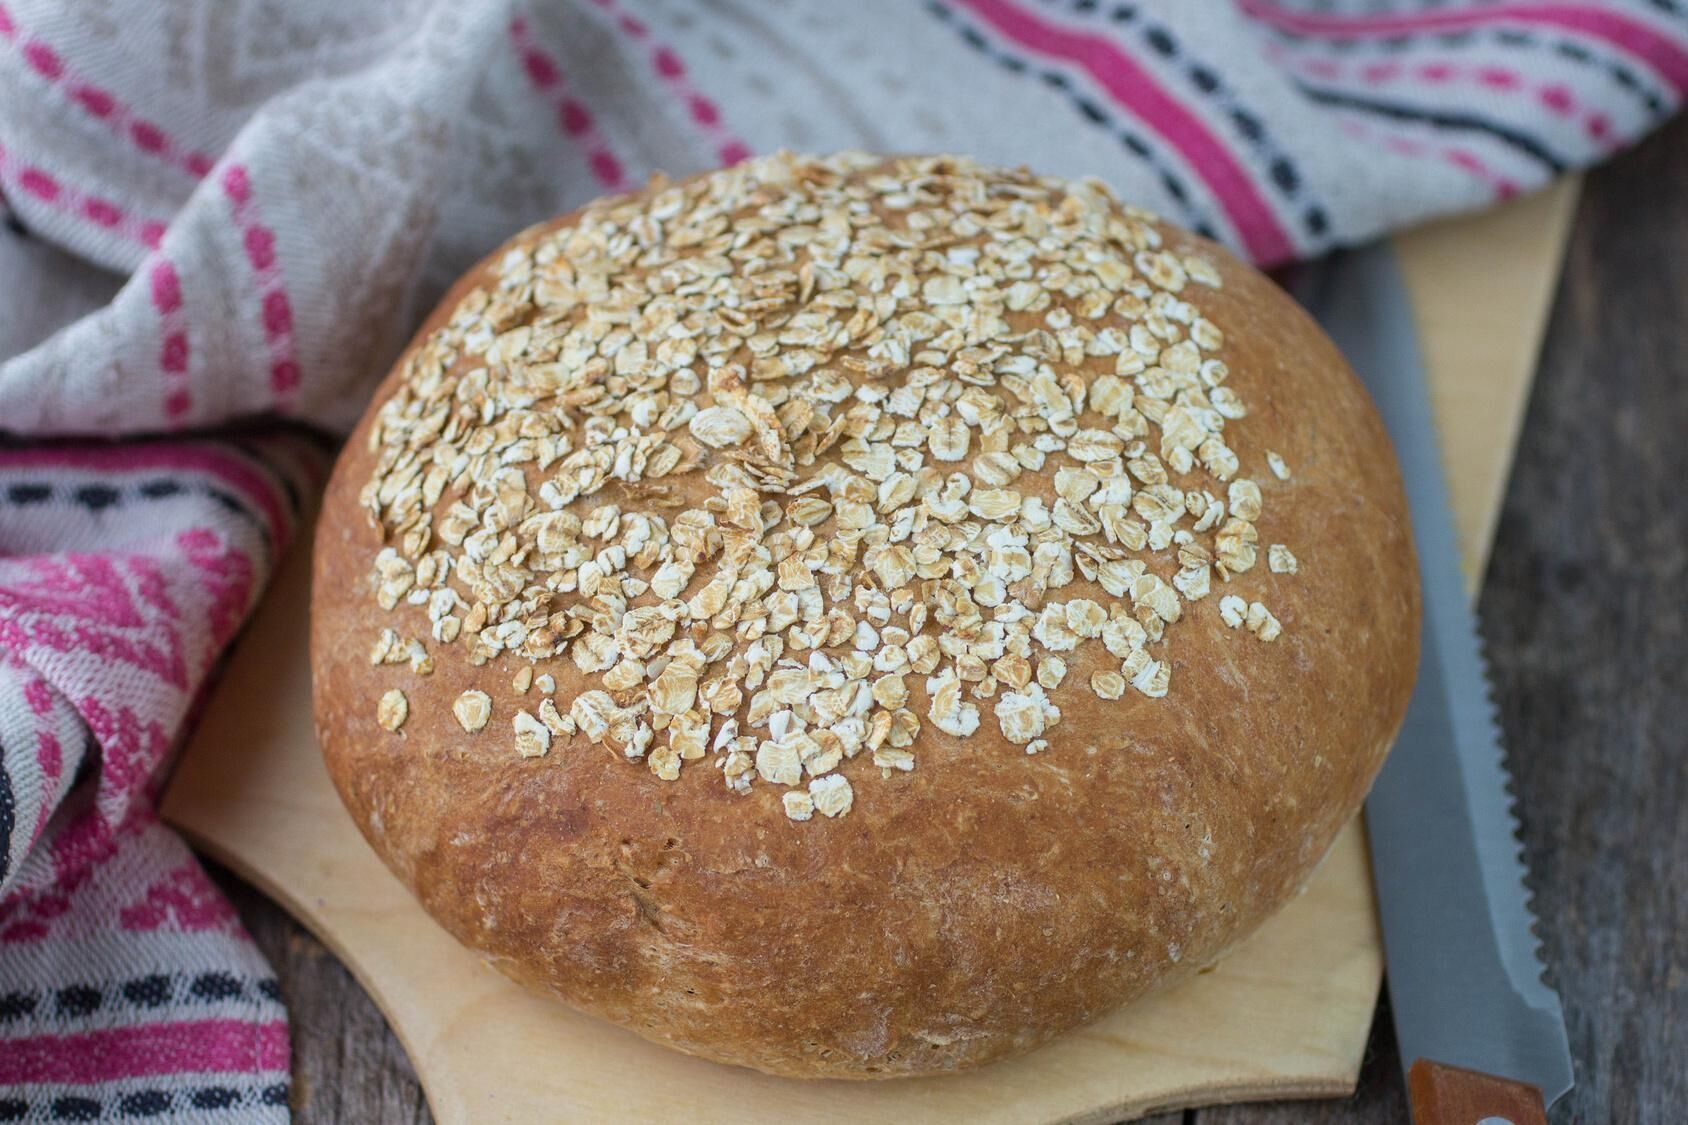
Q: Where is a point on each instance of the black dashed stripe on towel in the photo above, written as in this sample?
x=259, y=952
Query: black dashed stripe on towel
x=1514, y=139
x=1205, y=79
x=1189, y=214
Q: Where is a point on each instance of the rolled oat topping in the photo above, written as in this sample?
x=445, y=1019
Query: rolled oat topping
x=472, y=709
x=392, y=711
x=750, y=452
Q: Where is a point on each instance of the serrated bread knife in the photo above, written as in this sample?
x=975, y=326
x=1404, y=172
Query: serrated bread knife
x=1482, y=1037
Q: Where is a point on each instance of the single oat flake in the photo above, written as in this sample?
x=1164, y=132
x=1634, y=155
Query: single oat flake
x=472, y=710
x=392, y=710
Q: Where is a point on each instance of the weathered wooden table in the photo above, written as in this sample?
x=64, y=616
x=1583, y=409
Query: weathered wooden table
x=1584, y=612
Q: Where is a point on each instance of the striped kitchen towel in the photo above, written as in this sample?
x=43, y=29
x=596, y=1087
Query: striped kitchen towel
x=224, y=212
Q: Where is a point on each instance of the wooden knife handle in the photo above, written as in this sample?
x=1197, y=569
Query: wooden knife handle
x=1449, y=1095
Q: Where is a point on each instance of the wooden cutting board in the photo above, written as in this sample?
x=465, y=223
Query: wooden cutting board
x=1286, y=1015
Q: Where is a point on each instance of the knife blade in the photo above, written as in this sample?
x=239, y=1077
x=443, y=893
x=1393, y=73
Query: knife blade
x=1463, y=962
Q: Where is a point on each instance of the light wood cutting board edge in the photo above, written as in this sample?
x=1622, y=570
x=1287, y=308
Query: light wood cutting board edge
x=1481, y=287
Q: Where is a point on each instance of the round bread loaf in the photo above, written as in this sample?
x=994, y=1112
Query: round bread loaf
x=860, y=617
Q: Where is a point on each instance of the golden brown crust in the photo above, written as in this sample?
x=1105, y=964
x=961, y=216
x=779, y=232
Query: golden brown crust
x=966, y=910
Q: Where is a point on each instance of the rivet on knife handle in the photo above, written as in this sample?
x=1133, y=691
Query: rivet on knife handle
x=1449, y=1095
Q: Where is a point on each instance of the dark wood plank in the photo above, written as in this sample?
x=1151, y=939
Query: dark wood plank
x=1583, y=611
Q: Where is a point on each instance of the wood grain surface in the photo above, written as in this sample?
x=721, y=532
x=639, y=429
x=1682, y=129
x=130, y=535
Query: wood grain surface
x=1451, y=1095
x=1582, y=608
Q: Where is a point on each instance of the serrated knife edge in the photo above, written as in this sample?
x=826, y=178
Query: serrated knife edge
x=1443, y=795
